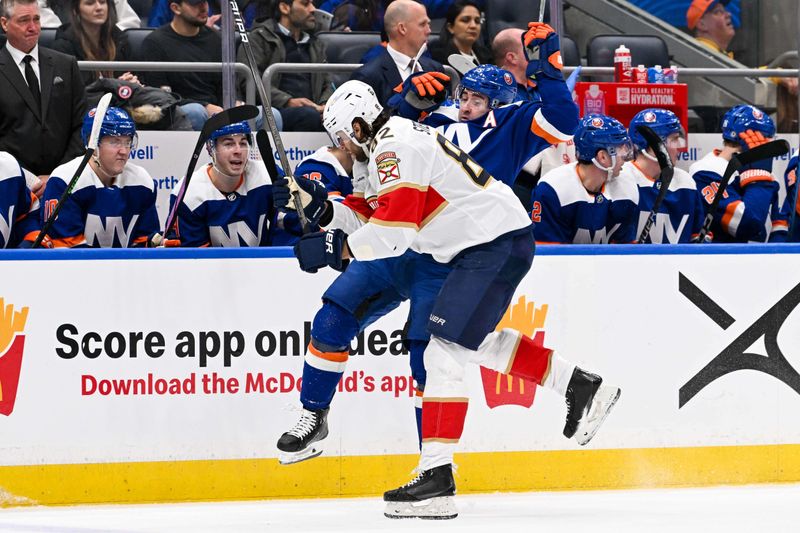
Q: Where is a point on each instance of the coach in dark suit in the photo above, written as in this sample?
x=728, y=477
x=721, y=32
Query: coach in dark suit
x=408, y=27
x=42, y=98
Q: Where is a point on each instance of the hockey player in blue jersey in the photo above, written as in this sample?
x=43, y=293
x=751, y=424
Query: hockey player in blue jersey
x=585, y=202
x=749, y=209
x=333, y=167
x=19, y=207
x=229, y=202
x=113, y=204
x=681, y=213
x=369, y=290
x=792, y=199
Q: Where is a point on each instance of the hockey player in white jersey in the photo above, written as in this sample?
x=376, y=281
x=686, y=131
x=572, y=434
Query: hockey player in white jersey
x=585, y=202
x=681, y=213
x=113, y=204
x=229, y=202
x=19, y=207
x=430, y=196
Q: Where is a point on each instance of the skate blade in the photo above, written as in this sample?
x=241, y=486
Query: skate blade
x=288, y=458
x=442, y=508
x=602, y=403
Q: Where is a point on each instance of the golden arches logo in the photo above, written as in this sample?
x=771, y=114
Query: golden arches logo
x=503, y=389
x=12, y=343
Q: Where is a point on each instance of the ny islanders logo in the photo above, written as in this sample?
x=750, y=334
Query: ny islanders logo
x=503, y=389
x=12, y=342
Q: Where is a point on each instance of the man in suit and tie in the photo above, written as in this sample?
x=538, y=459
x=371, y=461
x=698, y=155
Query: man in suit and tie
x=408, y=27
x=42, y=97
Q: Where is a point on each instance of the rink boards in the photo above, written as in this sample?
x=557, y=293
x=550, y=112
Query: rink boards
x=168, y=375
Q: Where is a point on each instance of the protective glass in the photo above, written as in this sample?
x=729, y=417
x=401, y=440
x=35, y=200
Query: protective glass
x=676, y=141
x=340, y=138
x=231, y=143
x=623, y=151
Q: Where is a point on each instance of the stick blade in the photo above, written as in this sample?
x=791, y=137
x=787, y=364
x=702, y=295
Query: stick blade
x=265, y=149
x=768, y=150
x=97, y=123
x=228, y=116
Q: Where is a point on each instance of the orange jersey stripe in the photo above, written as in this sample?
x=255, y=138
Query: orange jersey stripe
x=336, y=357
x=68, y=242
x=728, y=215
x=538, y=130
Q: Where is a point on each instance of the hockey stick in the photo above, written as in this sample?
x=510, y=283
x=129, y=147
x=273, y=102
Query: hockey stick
x=541, y=10
x=227, y=116
x=667, y=170
x=265, y=149
x=266, y=109
x=793, y=207
x=765, y=151
x=97, y=122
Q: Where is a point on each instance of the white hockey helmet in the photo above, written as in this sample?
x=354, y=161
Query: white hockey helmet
x=353, y=99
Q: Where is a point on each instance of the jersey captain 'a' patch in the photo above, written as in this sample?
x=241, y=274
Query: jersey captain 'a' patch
x=388, y=169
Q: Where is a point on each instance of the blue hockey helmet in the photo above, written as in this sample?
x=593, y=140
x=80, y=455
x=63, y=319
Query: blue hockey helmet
x=237, y=128
x=662, y=121
x=117, y=122
x=597, y=132
x=495, y=83
x=741, y=118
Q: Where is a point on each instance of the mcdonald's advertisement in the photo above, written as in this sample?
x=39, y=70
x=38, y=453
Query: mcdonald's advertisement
x=193, y=358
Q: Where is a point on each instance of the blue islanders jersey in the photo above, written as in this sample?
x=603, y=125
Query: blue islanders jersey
x=244, y=217
x=745, y=212
x=565, y=212
x=19, y=208
x=792, y=198
x=323, y=166
x=506, y=138
x=118, y=216
x=681, y=214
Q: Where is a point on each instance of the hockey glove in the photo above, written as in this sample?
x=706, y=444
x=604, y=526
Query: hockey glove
x=757, y=170
x=157, y=240
x=313, y=196
x=422, y=92
x=543, y=51
x=317, y=250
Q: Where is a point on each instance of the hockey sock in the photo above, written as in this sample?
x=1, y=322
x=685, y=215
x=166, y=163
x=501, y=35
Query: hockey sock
x=416, y=350
x=557, y=379
x=322, y=371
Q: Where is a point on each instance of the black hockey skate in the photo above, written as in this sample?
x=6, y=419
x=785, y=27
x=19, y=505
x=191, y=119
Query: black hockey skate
x=303, y=440
x=588, y=405
x=430, y=495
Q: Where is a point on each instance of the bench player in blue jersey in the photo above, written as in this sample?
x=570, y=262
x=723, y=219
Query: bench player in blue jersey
x=19, y=207
x=333, y=167
x=585, y=202
x=749, y=210
x=792, y=198
x=681, y=213
x=113, y=204
x=229, y=202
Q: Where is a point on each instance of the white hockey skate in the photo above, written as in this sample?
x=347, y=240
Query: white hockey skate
x=588, y=405
x=304, y=440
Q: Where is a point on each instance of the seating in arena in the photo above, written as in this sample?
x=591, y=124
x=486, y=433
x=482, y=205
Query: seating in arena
x=47, y=37
x=136, y=37
x=502, y=14
x=348, y=47
x=570, y=54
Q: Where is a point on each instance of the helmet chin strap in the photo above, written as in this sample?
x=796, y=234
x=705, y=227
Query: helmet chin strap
x=608, y=170
x=652, y=158
x=96, y=159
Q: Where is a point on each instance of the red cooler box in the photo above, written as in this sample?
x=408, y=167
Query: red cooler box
x=623, y=100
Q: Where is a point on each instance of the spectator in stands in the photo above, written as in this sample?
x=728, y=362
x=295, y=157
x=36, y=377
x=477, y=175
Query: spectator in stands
x=356, y=15
x=187, y=39
x=287, y=38
x=508, y=54
x=749, y=209
x=460, y=34
x=92, y=35
x=711, y=24
x=42, y=98
x=54, y=12
x=408, y=27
